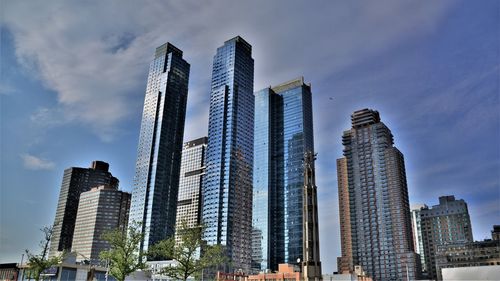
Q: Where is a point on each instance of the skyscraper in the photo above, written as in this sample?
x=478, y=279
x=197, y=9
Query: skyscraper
x=446, y=223
x=283, y=133
x=156, y=181
x=190, y=184
x=227, y=190
x=101, y=209
x=378, y=209
x=75, y=181
x=418, y=241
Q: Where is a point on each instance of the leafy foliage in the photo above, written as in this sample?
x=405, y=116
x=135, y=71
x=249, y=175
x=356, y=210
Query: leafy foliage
x=190, y=262
x=124, y=256
x=39, y=263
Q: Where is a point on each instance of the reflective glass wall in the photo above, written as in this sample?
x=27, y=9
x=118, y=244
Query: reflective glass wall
x=156, y=181
x=283, y=133
x=227, y=190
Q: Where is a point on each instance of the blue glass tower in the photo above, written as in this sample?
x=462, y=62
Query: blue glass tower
x=283, y=133
x=156, y=181
x=227, y=191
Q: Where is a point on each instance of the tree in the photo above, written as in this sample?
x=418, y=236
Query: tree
x=124, y=257
x=39, y=263
x=190, y=260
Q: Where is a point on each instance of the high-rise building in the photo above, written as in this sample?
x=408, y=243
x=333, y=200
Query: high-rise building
x=446, y=223
x=344, y=263
x=156, y=181
x=75, y=181
x=418, y=242
x=380, y=235
x=101, y=209
x=190, y=184
x=283, y=133
x=227, y=189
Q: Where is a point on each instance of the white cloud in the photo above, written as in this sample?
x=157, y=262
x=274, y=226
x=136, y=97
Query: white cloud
x=95, y=57
x=35, y=163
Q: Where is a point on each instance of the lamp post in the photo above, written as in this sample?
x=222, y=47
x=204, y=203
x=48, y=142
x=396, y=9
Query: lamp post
x=21, y=264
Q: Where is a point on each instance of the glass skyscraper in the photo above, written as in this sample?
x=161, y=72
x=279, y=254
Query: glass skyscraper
x=374, y=194
x=156, y=181
x=283, y=133
x=227, y=191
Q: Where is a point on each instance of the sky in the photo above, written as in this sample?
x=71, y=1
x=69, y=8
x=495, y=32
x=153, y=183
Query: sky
x=73, y=77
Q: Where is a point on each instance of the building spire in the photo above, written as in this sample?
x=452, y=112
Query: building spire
x=311, y=265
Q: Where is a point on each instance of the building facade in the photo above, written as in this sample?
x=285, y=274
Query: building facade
x=467, y=254
x=380, y=225
x=227, y=189
x=418, y=242
x=156, y=181
x=75, y=181
x=283, y=133
x=190, y=184
x=345, y=263
x=100, y=210
x=443, y=224
x=285, y=272
x=9, y=271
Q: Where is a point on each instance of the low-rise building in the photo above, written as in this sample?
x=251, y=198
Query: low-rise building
x=286, y=272
x=357, y=275
x=8, y=271
x=67, y=272
x=471, y=273
x=467, y=254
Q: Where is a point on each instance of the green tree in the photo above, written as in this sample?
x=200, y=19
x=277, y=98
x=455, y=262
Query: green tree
x=124, y=257
x=38, y=263
x=190, y=262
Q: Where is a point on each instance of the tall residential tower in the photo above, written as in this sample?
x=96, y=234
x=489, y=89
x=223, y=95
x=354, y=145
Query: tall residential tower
x=227, y=190
x=375, y=197
x=156, y=181
x=75, y=181
x=283, y=133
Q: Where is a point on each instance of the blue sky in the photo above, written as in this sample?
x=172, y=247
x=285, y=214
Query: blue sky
x=73, y=77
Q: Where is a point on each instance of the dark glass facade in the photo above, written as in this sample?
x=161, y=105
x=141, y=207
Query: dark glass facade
x=75, y=181
x=380, y=226
x=156, y=181
x=227, y=190
x=283, y=133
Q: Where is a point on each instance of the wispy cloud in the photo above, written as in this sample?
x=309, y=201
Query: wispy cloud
x=6, y=89
x=33, y=162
